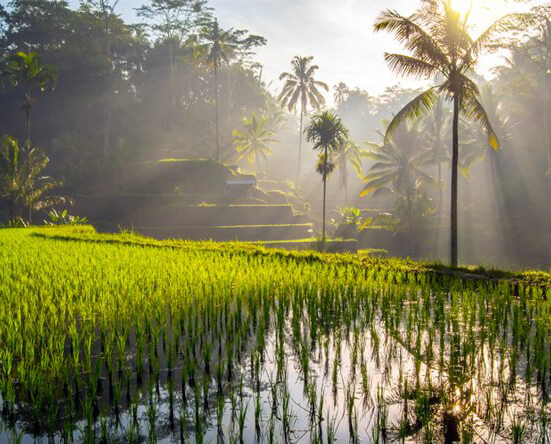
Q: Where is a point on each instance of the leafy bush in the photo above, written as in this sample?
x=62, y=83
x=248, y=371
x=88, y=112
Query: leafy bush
x=63, y=218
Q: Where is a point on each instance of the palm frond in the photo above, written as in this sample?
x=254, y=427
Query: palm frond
x=409, y=66
x=416, y=108
x=474, y=111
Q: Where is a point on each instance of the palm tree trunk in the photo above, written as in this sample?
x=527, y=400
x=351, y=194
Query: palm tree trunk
x=28, y=104
x=345, y=195
x=547, y=124
x=455, y=167
x=11, y=207
x=107, y=129
x=440, y=188
x=216, y=110
x=324, y=193
x=300, y=144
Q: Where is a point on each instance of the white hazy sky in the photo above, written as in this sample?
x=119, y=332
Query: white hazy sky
x=338, y=33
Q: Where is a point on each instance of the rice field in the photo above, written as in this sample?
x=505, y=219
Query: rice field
x=108, y=338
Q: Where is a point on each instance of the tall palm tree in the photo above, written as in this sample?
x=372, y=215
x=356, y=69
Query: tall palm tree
x=27, y=70
x=440, y=44
x=327, y=132
x=349, y=154
x=220, y=46
x=254, y=140
x=301, y=89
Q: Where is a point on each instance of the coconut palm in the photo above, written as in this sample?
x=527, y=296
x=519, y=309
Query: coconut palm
x=20, y=181
x=26, y=70
x=440, y=44
x=348, y=155
x=301, y=89
x=327, y=132
x=398, y=166
x=254, y=139
x=220, y=46
x=341, y=93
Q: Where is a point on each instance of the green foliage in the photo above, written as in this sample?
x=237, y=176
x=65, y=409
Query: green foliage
x=253, y=142
x=352, y=223
x=26, y=70
x=326, y=132
x=21, y=183
x=63, y=218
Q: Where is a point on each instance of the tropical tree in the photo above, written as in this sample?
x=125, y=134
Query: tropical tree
x=349, y=154
x=220, y=46
x=173, y=21
x=20, y=181
x=342, y=91
x=398, y=167
x=254, y=140
x=26, y=70
x=440, y=43
x=327, y=132
x=301, y=89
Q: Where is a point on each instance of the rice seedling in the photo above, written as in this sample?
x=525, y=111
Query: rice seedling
x=114, y=327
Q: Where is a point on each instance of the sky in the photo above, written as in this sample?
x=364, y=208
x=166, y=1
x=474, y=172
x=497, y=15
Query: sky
x=337, y=33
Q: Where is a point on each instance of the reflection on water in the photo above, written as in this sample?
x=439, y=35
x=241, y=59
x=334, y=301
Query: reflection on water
x=401, y=364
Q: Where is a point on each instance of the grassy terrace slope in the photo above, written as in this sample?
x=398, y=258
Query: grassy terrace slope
x=94, y=325
x=88, y=234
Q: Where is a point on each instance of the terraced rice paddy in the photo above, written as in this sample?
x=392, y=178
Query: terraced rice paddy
x=117, y=339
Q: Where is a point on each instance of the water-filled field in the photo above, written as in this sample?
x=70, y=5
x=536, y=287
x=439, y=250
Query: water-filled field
x=120, y=339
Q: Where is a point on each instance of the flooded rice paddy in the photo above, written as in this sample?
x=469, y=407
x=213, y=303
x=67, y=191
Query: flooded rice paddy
x=123, y=343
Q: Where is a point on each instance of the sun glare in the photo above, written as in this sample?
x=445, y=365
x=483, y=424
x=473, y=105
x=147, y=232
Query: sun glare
x=464, y=7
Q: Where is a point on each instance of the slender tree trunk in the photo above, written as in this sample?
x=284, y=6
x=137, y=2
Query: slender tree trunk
x=440, y=188
x=547, y=124
x=454, y=194
x=324, y=193
x=107, y=129
x=216, y=110
x=11, y=207
x=171, y=67
x=300, y=145
x=28, y=105
x=345, y=195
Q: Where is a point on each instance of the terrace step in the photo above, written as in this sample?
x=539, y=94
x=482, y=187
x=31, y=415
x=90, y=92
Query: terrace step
x=230, y=233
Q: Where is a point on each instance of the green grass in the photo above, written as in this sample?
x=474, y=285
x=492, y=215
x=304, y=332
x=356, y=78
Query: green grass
x=88, y=317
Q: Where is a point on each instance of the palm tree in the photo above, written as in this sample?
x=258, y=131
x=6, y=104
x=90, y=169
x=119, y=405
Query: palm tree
x=20, y=180
x=341, y=93
x=397, y=166
x=349, y=154
x=253, y=141
x=28, y=71
x=327, y=132
x=220, y=46
x=440, y=44
x=301, y=88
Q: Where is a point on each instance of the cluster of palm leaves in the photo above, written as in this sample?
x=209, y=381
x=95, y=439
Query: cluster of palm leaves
x=254, y=140
x=21, y=183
